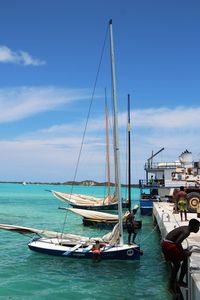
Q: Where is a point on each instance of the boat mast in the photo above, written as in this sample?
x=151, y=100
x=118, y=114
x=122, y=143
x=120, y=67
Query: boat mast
x=129, y=155
x=118, y=178
x=107, y=148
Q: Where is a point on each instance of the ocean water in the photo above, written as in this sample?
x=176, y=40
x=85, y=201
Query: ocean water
x=28, y=275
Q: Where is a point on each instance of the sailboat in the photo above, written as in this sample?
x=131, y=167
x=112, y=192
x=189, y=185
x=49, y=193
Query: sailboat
x=107, y=220
x=79, y=201
x=102, y=219
x=88, y=202
x=75, y=246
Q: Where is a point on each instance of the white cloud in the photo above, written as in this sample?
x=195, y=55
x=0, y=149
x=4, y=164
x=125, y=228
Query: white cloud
x=178, y=117
x=20, y=103
x=19, y=57
x=48, y=160
x=50, y=154
x=174, y=129
x=166, y=118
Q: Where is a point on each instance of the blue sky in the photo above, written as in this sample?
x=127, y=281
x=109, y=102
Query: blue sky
x=49, y=55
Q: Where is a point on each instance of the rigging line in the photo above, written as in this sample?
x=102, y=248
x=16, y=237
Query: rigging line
x=90, y=106
x=148, y=236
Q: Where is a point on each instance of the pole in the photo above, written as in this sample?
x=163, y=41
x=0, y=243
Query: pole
x=119, y=195
x=129, y=155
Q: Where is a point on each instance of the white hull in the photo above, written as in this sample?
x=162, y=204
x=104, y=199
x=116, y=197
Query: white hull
x=58, y=247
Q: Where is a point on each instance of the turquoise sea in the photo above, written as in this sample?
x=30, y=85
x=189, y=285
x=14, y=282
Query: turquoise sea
x=29, y=275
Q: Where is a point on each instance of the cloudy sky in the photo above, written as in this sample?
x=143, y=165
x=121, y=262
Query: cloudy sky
x=51, y=71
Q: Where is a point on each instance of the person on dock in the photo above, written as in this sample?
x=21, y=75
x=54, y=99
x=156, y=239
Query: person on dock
x=151, y=181
x=130, y=225
x=174, y=200
x=174, y=252
x=181, y=199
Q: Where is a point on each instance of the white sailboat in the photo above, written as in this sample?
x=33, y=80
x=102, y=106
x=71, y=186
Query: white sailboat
x=69, y=245
x=87, y=202
x=82, y=201
x=102, y=219
x=110, y=201
x=107, y=220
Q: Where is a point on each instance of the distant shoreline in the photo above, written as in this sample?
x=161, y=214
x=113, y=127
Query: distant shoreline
x=78, y=183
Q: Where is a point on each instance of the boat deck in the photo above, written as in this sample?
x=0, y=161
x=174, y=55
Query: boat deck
x=167, y=221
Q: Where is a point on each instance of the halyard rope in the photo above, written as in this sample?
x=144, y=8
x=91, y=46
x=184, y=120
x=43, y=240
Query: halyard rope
x=90, y=106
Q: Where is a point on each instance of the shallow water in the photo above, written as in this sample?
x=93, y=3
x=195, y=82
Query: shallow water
x=28, y=275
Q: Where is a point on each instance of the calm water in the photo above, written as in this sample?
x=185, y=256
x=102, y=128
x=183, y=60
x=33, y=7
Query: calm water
x=28, y=275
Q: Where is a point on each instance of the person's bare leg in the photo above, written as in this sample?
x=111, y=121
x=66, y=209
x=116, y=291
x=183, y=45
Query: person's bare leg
x=174, y=271
x=185, y=212
x=182, y=273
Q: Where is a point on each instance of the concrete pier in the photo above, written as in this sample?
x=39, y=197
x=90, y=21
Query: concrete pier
x=167, y=221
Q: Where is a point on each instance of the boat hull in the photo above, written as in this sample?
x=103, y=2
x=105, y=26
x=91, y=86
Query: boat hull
x=99, y=207
x=46, y=246
x=146, y=211
x=146, y=206
x=107, y=224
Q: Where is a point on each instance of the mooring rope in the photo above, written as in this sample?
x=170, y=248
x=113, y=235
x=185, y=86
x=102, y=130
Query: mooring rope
x=149, y=235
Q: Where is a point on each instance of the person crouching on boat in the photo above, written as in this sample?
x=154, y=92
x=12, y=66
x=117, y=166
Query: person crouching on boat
x=130, y=225
x=96, y=250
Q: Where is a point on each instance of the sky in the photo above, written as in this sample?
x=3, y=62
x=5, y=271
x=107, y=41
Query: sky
x=55, y=66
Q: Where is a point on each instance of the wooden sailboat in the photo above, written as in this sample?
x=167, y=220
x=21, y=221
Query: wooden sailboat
x=87, y=202
x=68, y=245
x=106, y=220
x=90, y=202
x=101, y=219
x=80, y=201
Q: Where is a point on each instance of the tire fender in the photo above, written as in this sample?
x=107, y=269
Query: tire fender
x=193, y=199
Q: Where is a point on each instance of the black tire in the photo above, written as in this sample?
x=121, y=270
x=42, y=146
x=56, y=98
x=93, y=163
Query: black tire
x=193, y=200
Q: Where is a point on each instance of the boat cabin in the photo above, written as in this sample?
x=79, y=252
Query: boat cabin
x=183, y=171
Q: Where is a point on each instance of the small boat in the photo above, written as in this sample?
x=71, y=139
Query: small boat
x=109, y=202
x=75, y=246
x=100, y=219
x=146, y=203
x=88, y=202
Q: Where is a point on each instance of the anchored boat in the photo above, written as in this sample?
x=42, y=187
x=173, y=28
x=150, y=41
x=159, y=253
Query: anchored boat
x=164, y=178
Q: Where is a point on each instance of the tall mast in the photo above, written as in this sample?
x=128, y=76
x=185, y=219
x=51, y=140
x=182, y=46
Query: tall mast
x=129, y=155
x=118, y=178
x=107, y=148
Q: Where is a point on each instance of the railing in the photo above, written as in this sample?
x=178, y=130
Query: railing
x=160, y=165
x=149, y=184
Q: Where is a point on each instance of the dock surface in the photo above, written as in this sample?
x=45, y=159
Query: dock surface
x=167, y=221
